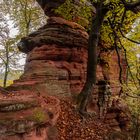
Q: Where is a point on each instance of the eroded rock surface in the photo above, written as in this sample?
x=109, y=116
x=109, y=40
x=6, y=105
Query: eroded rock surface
x=56, y=62
x=56, y=58
x=55, y=66
x=27, y=115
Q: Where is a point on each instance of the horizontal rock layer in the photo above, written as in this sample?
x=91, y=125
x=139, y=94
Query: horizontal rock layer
x=25, y=112
x=57, y=31
x=57, y=66
x=57, y=59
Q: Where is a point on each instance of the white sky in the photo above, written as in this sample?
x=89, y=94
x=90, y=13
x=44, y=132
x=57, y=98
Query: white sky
x=13, y=32
x=138, y=55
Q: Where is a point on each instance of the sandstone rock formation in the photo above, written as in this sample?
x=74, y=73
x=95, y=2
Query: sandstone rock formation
x=55, y=66
x=26, y=115
x=56, y=58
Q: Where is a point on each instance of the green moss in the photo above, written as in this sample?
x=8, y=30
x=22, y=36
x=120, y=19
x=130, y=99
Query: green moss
x=39, y=116
x=80, y=13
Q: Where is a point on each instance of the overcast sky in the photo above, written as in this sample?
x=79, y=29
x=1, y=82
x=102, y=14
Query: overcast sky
x=13, y=32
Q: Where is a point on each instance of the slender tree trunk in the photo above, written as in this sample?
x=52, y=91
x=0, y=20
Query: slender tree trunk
x=6, y=68
x=5, y=75
x=92, y=57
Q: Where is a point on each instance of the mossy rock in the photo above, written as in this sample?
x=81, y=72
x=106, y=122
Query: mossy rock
x=39, y=116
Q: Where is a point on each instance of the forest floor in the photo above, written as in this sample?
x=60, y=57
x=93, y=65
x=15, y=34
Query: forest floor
x=71, y=126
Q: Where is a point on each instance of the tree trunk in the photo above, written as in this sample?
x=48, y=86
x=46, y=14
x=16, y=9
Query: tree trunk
x=6, y=68
x=97, y=21
x=5, y=76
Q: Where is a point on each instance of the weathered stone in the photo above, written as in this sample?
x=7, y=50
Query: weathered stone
x=7, y=105
x=26, y=111
x=70, y=35
x=56, y=65
x=120, y=113
x=49, y=64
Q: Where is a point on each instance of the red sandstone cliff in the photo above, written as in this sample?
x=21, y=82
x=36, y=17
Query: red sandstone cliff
x=55, y=71
x=57, y=58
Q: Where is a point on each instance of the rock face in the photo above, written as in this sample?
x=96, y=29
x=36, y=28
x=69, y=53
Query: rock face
x=26, y=115
x=56, y=58
x=55, y=66
x=56, y=62
x=118, y=116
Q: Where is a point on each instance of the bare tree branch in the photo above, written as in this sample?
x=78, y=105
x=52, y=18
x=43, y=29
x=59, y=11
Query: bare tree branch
x=128, y=38
x=127, y=94
x=117, y=51
x=128, y=64
x=123, y=17
x=2, y=60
